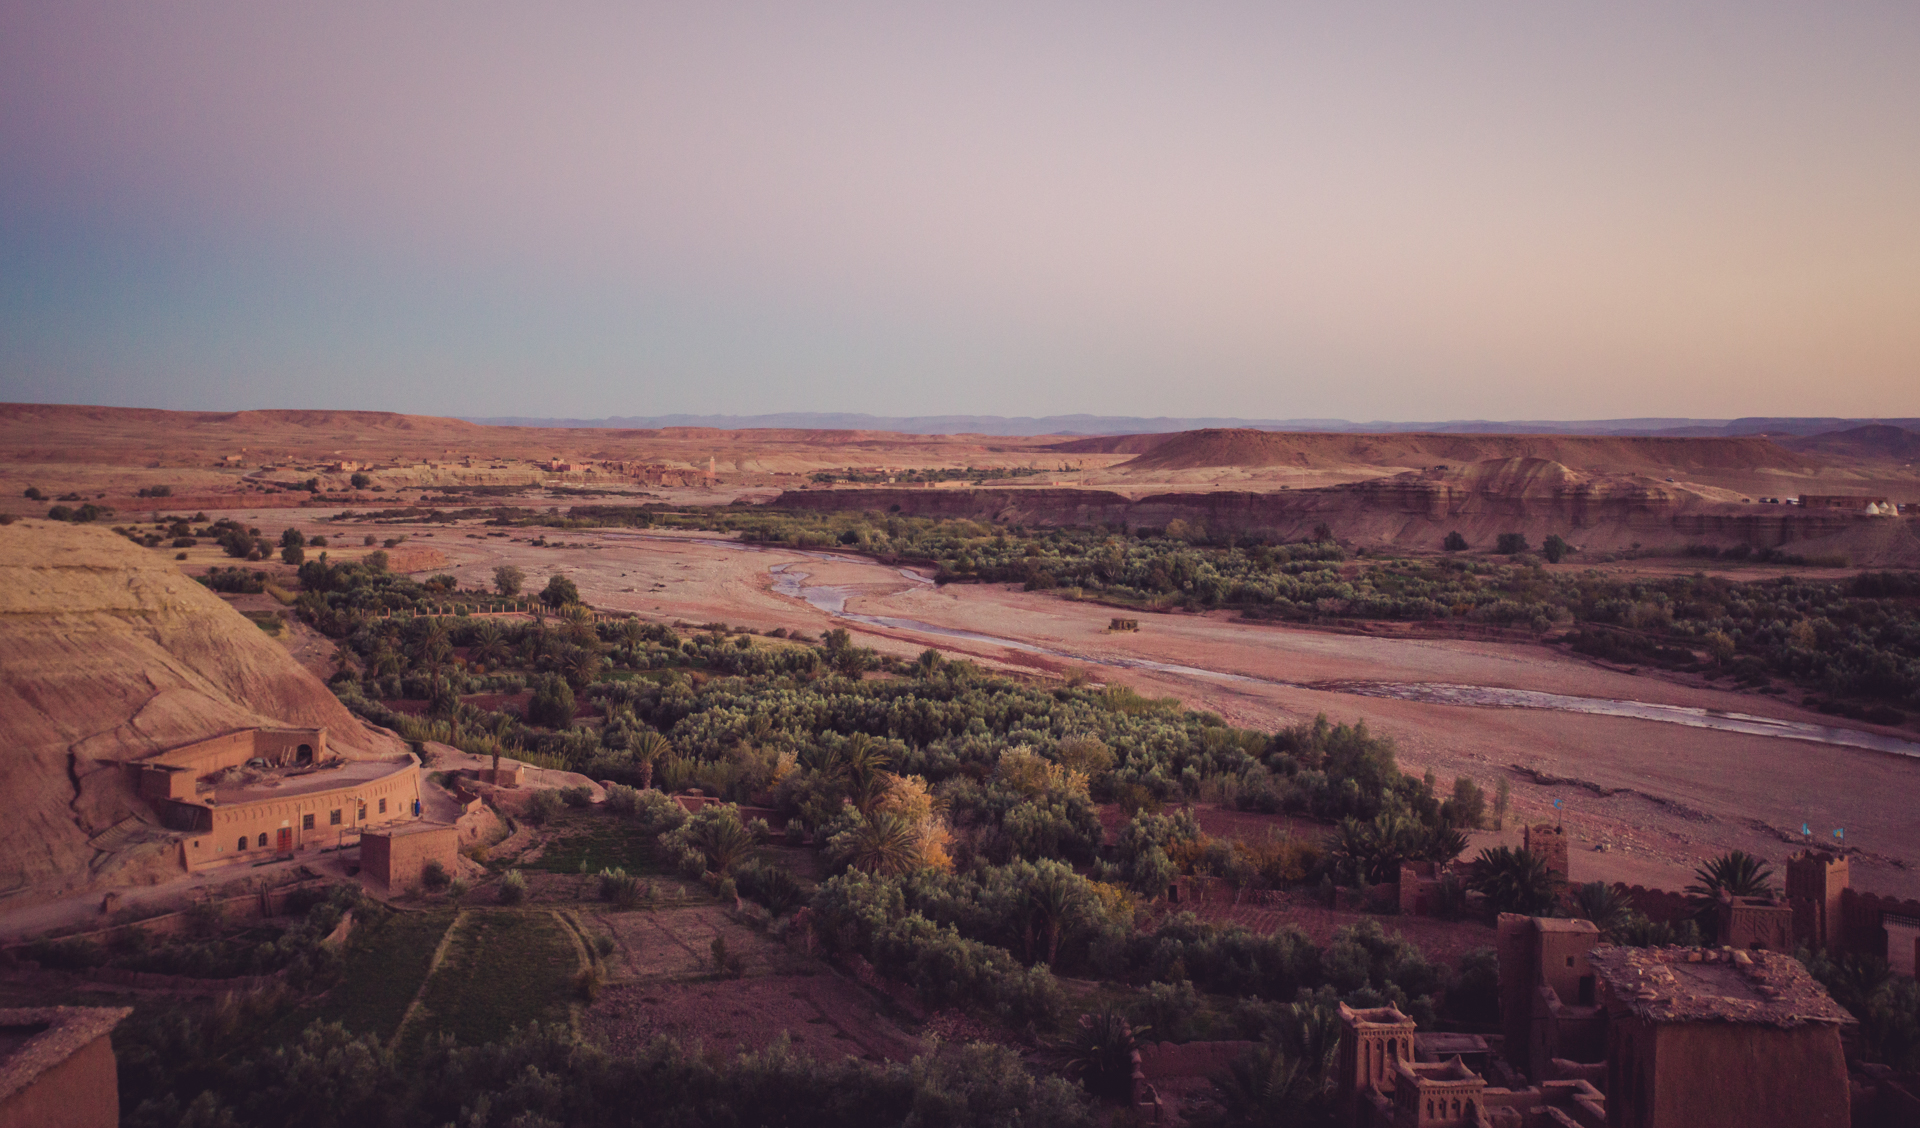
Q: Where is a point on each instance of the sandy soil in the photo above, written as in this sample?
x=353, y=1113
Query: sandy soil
x=1672, y=795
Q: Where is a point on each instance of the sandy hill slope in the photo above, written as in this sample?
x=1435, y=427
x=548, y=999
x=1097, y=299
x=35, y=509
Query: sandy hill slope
x=1874, y=442
x=1602, y=454
x=109, y=653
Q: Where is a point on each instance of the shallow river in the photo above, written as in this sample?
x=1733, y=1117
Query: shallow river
x=789, y=581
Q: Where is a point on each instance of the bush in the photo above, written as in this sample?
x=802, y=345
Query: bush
x=543, y=807
x=1510, y=544
x=1455, y=542
x=513, y=888
x=579, y=797
x=434, y=875
x=559, y=592
x=553, y=703
x=620, y=889
x=1165, y=1010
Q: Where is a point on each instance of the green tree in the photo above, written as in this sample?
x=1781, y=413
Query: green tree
x=1556, y=548
x=559, y=592
x=293, y=554
x=360, y=481
x=1455, y=542
x=292, y=539
x=1514, y=881
x=1604, y=905
x=1511, y=544
x=552, y=704
x=1735, y=873
x=508, y=579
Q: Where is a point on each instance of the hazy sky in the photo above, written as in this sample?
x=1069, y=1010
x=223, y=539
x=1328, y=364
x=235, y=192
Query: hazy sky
x=1412, y=211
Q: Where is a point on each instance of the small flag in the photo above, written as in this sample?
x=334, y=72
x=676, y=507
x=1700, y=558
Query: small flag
x=1840, y=832
x=1806, y=831
x=1557, y=803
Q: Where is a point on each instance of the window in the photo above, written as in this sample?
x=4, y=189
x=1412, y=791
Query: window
x=306, y=822
x=362, y=816
x=263, y=840
x=243, y=843
x=334, y=818
x=383, y=806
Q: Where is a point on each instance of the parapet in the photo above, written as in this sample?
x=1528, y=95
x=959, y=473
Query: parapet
x=1670, y=985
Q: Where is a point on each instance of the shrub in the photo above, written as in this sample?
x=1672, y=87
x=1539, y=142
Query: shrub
x=434, y=875
x=620, y=889
x=513, y=888
x=1510, y=544
x=1166, y=1010
x=543, y=807
x=1455, y=542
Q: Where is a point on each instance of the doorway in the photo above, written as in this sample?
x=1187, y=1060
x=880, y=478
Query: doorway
x=285, y=845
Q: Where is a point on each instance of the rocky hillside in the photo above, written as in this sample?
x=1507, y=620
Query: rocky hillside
x=108, y=653
x=1238, y=447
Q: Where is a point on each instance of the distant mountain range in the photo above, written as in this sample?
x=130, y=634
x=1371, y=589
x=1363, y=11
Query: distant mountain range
x=1137, y=425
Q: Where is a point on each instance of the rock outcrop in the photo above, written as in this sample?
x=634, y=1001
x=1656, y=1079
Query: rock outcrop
x=108, y=653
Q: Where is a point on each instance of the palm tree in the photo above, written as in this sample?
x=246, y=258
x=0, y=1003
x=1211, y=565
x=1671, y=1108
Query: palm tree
x=1604, y=905
x=723, y=841
x=648, y=749
x=1735, y=873
x=580, y=665
x=881, y=843
x=1268, y=1086
x=579, y=624
x=1049, y=901
x=387, y=662
x=632, y=636
x=1514, y=881
x=1100, y=1053
x=489, y=644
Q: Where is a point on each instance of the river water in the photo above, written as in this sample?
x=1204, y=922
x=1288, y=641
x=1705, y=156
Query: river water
x=790, y=581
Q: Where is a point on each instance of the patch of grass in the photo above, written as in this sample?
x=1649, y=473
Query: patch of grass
x=383, y=970
x=602, y=840
x=503, y=969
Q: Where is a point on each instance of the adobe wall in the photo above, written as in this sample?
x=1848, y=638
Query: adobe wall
x=248, y=822
x=1660, y=906
x=398, y=860
x=1189, y=1059
x=1861, y=932
x=1746, y=925
x=1796, y=1077
x=81, y=1092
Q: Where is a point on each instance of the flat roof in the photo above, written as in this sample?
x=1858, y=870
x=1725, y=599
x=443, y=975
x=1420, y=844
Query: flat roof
x=408, y=828
x=348, y=773
x=46, y=1037
x=1714, y=985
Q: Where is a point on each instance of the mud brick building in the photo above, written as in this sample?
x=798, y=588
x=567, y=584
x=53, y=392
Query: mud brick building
x=1549, y=844
x=57, y=1068
x=1719, y=1038
x=398, y=857
x=254, y=794
x=1548, y=998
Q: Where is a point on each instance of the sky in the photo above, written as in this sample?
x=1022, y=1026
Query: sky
x=1265, y=210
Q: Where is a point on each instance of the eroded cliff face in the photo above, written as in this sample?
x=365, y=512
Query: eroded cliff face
x=109, y=653
x=1416, y=510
